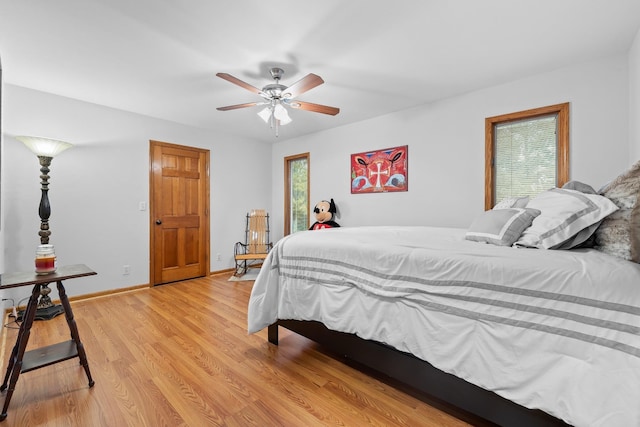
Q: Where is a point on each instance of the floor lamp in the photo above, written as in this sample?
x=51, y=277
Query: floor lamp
x=46, y=149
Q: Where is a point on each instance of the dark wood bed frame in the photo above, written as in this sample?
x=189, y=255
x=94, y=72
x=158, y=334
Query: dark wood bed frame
x=419, y=375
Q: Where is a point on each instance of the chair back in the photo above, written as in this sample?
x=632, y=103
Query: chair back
x=258, y=232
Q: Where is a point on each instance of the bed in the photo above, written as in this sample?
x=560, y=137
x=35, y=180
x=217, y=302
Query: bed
x=503, y=329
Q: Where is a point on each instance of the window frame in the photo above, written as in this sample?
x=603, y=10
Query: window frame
x=287, y=188
x=562, y=138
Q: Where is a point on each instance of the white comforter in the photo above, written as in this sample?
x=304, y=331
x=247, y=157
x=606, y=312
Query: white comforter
x=553, y=330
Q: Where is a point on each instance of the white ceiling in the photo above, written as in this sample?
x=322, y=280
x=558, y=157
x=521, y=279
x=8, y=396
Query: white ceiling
x=159, y=57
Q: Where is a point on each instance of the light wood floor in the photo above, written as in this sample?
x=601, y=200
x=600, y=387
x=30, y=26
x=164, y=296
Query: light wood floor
x=179, y=355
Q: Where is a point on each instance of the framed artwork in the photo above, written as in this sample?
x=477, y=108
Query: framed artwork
x=380, y=171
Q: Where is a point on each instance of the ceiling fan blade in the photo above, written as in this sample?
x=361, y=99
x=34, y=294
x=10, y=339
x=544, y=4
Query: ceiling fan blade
x=237, y=81
x=316, y=108
x=301, y=86
x=235, y=107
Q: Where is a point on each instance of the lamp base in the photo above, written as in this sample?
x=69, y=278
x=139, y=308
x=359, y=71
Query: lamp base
x=47, y=313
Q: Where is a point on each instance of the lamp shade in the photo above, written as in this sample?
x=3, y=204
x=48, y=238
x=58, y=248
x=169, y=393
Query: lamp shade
x=280, y=113
x=44, y=146
x=265, y=114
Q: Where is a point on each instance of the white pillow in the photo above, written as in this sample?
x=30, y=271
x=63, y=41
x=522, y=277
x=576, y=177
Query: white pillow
x=500, y=227
x=564, y=213
x=512, y=202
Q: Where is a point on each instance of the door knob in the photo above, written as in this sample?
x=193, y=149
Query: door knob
x=158, y=221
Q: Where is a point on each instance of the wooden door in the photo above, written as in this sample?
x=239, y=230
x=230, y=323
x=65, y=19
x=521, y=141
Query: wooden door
x=179, y=212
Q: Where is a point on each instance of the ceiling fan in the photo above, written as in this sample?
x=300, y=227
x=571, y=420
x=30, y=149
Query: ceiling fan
x=277, y=97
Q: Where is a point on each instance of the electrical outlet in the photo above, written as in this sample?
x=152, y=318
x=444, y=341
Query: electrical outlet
x=218, y=257
x=126, y=269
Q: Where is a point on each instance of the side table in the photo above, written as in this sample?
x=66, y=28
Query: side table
x=21, y=361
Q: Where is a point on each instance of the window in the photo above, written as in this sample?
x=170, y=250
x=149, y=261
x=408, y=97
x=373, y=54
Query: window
x=296, y=198
x=526, y=153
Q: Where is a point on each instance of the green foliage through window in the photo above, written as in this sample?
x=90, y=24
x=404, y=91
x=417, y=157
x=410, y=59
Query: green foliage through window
x=299, y=173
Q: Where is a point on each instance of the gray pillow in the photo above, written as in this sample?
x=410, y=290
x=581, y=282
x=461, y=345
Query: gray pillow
x=501, y=227
x=586, y=238
x=579, y=186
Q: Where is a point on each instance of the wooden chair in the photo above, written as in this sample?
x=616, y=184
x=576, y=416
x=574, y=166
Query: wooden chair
x=256, y=246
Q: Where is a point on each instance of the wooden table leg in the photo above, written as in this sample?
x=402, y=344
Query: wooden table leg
x=15, y=363
x=64, y=300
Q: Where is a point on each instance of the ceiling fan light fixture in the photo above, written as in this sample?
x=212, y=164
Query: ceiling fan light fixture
x=277, y=97
x=280, y=113
x=285, y=121
x=265, y=114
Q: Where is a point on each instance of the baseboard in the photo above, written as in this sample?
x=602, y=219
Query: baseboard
x=116, y=291
x=225, y=271
x=90, y=296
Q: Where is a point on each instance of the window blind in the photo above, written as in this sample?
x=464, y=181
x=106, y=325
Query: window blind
x=525, y=156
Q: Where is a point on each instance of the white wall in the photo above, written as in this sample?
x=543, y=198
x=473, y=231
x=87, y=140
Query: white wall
x=2, y=225
x=634, y=99
x=96, y=186
x=446, y=147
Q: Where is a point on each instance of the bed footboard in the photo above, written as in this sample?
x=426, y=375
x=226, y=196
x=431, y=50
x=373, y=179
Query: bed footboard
x=420, y=375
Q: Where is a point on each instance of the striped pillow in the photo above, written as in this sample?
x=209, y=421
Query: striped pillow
x=501, y=227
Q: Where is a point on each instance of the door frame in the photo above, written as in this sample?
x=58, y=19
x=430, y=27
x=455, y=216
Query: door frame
x=206, y=228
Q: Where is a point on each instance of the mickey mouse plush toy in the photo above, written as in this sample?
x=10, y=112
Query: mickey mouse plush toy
x=324, y=212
